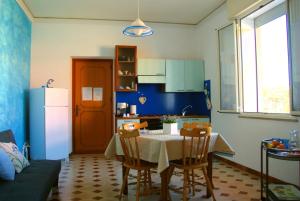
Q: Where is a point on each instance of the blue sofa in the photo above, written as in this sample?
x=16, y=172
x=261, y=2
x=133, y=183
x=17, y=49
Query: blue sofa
x=34, y=183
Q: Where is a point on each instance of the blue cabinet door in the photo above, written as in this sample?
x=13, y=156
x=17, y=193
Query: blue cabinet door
x=174, y=76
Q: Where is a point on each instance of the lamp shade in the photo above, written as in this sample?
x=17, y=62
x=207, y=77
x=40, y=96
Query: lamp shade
x=138, y=29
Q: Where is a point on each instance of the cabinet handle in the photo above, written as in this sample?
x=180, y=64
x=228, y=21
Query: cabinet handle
x=159, y=74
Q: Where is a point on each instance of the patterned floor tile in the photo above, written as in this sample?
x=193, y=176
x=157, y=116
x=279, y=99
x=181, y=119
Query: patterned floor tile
x=92, y=178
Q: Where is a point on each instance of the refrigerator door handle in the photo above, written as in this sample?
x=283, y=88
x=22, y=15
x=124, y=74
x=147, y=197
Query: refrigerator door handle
x=76, y=110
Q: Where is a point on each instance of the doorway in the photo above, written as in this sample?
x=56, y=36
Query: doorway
x=92, y=104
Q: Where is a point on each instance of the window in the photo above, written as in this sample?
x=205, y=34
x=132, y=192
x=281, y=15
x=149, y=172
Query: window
x=264, y=60
x=228, y=72
x=294, y=16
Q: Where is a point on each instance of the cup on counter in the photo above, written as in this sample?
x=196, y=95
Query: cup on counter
x=133, y=109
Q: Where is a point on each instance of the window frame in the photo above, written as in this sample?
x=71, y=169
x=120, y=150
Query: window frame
x=262, y=115
x=237, y=110
x=292, y=111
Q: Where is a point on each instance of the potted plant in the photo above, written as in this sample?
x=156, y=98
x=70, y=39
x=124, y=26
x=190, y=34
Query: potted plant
x=169, y=125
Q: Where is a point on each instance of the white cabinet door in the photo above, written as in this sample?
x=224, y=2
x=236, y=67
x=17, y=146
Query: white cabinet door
x=193, y=75
x=174, y=76
x=152, y=67
x=56, y=132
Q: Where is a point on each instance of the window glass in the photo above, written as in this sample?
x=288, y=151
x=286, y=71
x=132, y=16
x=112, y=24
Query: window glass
x=265, y=60
x=228, y=91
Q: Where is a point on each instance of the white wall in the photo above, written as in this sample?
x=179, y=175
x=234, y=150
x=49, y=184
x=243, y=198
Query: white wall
x=54, y=42
x=243, y=134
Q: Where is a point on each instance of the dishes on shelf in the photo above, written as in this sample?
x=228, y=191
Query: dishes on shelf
x=125, y=63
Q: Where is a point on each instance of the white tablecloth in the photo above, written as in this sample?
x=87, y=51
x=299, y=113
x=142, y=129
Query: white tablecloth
x=160, y=148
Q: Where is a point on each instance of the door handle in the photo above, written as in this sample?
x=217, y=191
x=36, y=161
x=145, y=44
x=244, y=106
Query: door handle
x=76, y=110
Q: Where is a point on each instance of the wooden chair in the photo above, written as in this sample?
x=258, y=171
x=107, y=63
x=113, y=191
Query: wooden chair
x=191, y=126
x=132, y=160
x=194, y=156
x=196, y=125
x=135, y=125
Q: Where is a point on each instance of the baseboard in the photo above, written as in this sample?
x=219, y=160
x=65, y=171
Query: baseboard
x=247, y=169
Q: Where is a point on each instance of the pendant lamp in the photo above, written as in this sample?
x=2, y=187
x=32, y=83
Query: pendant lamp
x=138, y=27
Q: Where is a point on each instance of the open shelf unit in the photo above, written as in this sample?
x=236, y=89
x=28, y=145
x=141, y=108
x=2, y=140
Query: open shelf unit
x=125, y=68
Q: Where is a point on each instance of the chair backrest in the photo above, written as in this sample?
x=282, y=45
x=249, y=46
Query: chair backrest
x=135, y=125
x=196, y=125
x=195, y=145
x=130, y=146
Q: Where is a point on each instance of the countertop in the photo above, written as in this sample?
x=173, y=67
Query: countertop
x=160, y=116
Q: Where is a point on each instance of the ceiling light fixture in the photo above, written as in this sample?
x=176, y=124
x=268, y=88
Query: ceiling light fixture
x=138, y=27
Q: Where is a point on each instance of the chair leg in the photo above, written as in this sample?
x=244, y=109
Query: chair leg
x=193, y=182
x=138, y=185
x=124, y=182
x=208, y=183
x=189, y=181
x=149, y=180
x=145, y=175
x=185, y=185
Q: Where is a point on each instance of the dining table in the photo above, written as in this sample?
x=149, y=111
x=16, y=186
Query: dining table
x=161, y=148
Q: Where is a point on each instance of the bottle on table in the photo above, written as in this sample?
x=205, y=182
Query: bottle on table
x=294, y=139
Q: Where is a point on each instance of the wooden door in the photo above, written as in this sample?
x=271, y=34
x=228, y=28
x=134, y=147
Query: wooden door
x=92, y=105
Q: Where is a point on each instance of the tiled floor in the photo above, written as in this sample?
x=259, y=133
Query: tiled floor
x=91, y=177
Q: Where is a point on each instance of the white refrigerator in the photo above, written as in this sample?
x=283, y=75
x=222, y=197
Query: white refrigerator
x=49, y=118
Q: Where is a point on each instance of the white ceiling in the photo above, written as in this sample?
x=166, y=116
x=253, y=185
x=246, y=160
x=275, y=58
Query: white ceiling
x=161, y=11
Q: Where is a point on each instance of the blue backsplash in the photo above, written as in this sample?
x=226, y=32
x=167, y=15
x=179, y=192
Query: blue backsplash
x=15, y=43
x=159, y=102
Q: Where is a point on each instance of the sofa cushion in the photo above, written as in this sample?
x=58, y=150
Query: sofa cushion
x=33, y=184
x=7, y=169
x=7, y=136
x=17, y=158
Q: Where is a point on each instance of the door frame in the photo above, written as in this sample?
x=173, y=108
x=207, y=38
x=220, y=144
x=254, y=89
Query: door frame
x=73, y=94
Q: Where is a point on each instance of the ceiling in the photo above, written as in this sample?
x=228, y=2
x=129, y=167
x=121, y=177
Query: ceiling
x=160, y=11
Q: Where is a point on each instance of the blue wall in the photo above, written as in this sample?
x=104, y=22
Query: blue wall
x=158, y=102
x=15, y=43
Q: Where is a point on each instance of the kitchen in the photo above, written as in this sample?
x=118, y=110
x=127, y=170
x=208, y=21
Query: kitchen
x=158, y=89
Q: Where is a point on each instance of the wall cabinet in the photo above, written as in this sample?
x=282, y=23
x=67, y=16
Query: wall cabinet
x=174, y=76
x=184, y=75
x=193, y=75
x=151, y=70
x=125, y=68
x=152, y=67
